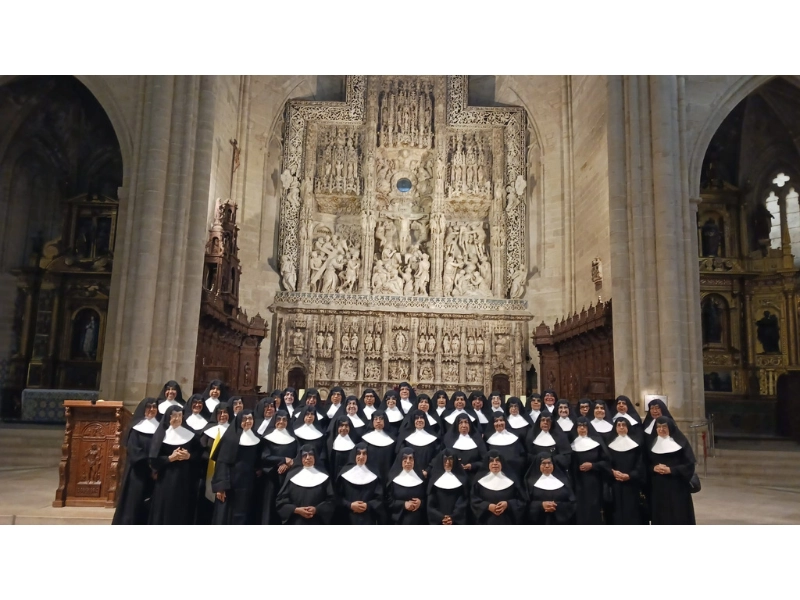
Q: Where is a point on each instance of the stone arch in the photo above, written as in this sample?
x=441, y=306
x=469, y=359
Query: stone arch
x=737, y=92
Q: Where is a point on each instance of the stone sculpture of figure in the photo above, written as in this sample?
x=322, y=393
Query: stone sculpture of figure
x=518, y=283
x=288, y=273
x=400, y=341
x=354, y=342
x=519, y=185
x=297, y=339
x=430, y=343
x=451, y=266
x=368, y=342
x=470, y=345
x=768, y=333
x=315, y=264
x=378, y=342
x=712, y=321
x=451, y=242
x=455, y=344
x=479, y=345
x=329, y=278
x=485, y=268
x=423, y=276
x=421, y=343
x=459, y=286
x=89, y=338
x=248, y=372
x=350, y=274
x=512, y=200
x=329, y=341
x=712, y=238
x=408, y=282
x=446, y=344
x=345, y=342
x=320, y=339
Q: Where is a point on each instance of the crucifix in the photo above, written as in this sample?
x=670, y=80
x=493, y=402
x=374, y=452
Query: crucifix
x=235, y=161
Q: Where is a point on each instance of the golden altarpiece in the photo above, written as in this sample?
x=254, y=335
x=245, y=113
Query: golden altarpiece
x=62, y=301
x=403, y=240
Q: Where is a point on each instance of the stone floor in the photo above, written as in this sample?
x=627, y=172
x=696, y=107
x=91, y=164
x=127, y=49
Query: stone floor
x=26, y=495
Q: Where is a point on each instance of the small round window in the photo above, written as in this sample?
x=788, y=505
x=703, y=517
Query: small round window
x=404, y=185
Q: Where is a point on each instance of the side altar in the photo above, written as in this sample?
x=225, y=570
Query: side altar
x=403, y=240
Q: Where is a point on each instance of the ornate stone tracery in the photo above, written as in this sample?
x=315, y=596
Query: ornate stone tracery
x=403, y=196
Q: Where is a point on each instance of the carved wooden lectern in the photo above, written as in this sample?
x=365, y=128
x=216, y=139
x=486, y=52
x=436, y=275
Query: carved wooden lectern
x=92, y=455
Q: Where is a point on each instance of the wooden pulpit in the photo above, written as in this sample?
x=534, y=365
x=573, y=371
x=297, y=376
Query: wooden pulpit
x=93, y=453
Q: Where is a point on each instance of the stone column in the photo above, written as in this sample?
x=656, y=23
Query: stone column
x=368, y=200
x=498, y=233
x=155, y=301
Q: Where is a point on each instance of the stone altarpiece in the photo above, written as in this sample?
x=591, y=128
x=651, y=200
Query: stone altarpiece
x=403, y=239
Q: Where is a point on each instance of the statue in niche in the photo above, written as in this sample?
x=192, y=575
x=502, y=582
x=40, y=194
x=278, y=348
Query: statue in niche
x=292, y=188
x=712, y=321
x=378, y=341
x=368, y=342
x=400, y=341
x=422, y=276
x=345, y=342
x=451, y=268
x=354, y=341
x=349, y=276
x=288, y=273
x=320, y=340
x=712, y=238
x=403, y=222
x=330, y=278
x=315, y=263
x=430, y=343
x=761, y=219
x=421, y=344
x=518, y=283
x=298, y=341
x=281, y=337
x=329, y=341
x=479, y=345
x=470, y=345
x=408, y=282
x=248, y=373
x=455, y=344
x=768, y=333
x=446, y=344
x=88, y=342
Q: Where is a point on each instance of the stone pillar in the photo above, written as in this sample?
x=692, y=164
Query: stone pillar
x=498, y=234
x=368, y=200
x=155, y=301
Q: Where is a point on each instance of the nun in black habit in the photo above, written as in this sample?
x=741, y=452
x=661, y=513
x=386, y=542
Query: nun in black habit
x=310, y=398
x=510, y=447
x=543, y=437
x=170, y=395
x=551, y=499
x=393, y=416
x=467, y=446
x=221, y=420
x=564, y=420
x=308, y=430
x=626, y=410
x=358, y=420
x=589, y=471
x=137, y=479
x=518, y=422
x=585, y=408
x=339, y=445
x=359, y=491
x=215, y=392
x=671, y=464
x=459, y=407
x=369, y=402
x=627, y=473
x=172, y=452
x=495, y=404
x=407, y=397
x=549, y=399
x=497, y=498
x=422, y=438
x=406, y=491
x=263, y=415
x=424, y=404
x=380, y=444
x=448, y=491
x=289, y=402
x=334, y=405
x=195, y=422
x=480, y=407
x=237, y=459
x=306, y=497
x=441, y=404
x=601, y=421
x=277, y=457
x=655, y=409
x=193, y=414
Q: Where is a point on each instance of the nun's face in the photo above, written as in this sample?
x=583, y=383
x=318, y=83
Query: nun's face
x=247, y=422
x=176, y=418
x=269, y=410
x=655, y=411
x=197, y=406
x=311, y=401
x=496, y=401
x=377, y=423
x=288, y=398
x=308, y=459
x=280, y=423
x=344, y=429
x=622, y=407
x=408, y=462
x=536, y=403
x=238, y=405
x=513, y=408
x=463, y=427
x=222, y=417
x=549, y=399
x=171, y=393
x=622, y=427
x=308, y=418
x=423, y=405
x=214, y=392
x=419, y=423
x=662, y=429
x=150, y=411
x=441, y=402
x=447, y=463
x=546, y=467
x=405, y=393
x=477, y=403
x=584, y=409
x=352, y=407
x=361, y=457
x=391, y=402
x=495, y=466
x=563, y=411
x=499, y=425
x=599, y=411
x=459, y=402
x=369, y=399
x=336, y=398
x=544, y=423
x=583, y=430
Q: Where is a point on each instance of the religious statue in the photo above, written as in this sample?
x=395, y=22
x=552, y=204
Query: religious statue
x=368, y=342
x=455, y=344
x=345, y=342
x=430, y=343
x=329, y=341
x=288, y=273
x=354, y=341
x=712, y=321
x=248, y=374
x=89, y=338
x=712, y=238
x=768, y=333
x=298, y=341
x=421, y=344
x=518, y=283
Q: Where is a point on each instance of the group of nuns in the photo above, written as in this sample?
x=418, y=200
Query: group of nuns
x=402, y=459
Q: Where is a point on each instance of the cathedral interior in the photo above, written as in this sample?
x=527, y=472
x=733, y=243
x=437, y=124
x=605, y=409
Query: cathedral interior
x=595, y=235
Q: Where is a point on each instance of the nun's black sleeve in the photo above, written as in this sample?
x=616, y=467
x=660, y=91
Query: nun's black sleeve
x=563, y=455
x=458, y=514
x=221, y=480
x=270, y=460
x=326, y=507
